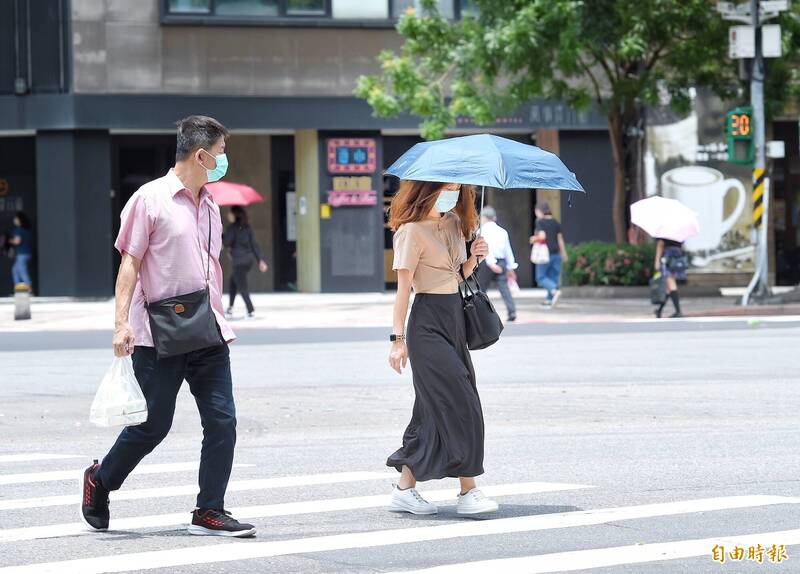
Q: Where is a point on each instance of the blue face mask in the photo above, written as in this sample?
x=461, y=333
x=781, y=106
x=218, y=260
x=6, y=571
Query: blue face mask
x=218, y=172
x=447, y=200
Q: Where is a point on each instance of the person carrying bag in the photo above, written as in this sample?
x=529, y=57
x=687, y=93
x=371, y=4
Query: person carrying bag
x=445, y=437
x=170, y=238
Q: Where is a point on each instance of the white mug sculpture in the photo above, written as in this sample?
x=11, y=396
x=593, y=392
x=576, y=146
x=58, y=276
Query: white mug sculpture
x=703, y=189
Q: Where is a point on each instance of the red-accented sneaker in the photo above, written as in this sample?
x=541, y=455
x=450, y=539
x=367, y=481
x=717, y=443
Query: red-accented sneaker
x=94, y=500
x=213, y=522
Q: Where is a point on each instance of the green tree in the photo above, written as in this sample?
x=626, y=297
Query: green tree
x=618, y=54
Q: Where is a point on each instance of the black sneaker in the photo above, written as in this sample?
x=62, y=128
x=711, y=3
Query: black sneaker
x=211, y=522
x=94, y=500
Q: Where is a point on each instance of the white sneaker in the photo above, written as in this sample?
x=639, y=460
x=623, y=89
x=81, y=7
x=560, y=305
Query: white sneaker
x=250, y=317
x=409, y=500
x=475, y=502
x=229, y=313
x=556, y=297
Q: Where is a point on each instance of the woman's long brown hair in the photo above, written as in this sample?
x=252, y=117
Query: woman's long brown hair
x=415, y=199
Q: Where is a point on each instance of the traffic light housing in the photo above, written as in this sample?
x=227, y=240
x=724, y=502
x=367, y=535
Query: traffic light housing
x=739, y=131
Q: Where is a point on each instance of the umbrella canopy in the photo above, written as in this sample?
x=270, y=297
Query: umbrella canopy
x=485, y=160
x=229, y=193
x=665, y=218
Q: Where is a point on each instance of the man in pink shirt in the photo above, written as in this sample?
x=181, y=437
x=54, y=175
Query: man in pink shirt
x=166, y=252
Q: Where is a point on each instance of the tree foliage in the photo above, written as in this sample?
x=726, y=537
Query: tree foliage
x=620, y=55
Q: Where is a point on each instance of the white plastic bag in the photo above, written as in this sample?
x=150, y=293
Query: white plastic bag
x=119, y=400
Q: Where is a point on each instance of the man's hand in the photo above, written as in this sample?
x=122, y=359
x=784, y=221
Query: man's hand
x=123, y=340
x=511, y=274
x=495, y=268
x=262, y=266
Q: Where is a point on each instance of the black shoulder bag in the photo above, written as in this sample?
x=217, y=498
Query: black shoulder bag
x=185, y=323
x=483, y=323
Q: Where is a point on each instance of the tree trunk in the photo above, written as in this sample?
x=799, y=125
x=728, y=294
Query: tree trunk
x=618, y=215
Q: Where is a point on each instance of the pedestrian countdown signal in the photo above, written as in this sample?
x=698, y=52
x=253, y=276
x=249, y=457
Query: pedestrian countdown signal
x=739, y=131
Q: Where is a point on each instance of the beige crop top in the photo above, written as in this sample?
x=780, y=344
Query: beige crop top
x=433, y=250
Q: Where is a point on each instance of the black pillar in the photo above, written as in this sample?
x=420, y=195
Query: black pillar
x=73, y=186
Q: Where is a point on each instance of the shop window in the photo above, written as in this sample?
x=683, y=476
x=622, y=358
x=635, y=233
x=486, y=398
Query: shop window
x=249, y=9
x=305, y=8
x=190, y=6
x=446, y=7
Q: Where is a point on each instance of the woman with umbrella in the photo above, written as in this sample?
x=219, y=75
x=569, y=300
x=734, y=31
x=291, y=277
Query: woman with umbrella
x=432, y=222
x=670, y=223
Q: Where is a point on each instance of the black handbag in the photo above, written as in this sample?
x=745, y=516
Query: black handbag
x=185, y=323
x=658, y=289
x=483, y=323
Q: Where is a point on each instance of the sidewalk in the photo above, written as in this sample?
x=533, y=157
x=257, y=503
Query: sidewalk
x=297, y=310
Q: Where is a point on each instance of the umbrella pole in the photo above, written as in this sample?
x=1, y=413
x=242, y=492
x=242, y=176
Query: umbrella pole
x=480, y=220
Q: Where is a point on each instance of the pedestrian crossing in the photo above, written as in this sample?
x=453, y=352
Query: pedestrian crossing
x=362, y=536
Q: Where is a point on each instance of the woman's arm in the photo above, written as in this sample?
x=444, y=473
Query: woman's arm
x=478, y=249
x=398, y=355
x=659, y=253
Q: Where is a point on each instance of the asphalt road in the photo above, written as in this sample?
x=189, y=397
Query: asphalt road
x=614, y=448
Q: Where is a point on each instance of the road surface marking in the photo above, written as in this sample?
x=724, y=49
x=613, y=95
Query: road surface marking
x=616, y=556
x=54, y=475
x=191, y=489
x=32, y=457
x=265, y=510
x=241, y=550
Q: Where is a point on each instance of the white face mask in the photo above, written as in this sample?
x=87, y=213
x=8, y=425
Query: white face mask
x=447, y=200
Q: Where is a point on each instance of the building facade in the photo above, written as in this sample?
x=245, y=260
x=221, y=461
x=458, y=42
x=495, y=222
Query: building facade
x=90, y=91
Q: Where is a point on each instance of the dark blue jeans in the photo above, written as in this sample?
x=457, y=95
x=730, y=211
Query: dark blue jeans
x=208, y=372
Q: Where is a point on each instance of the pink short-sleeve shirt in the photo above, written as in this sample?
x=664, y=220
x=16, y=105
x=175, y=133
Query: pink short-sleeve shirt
x=164, y=228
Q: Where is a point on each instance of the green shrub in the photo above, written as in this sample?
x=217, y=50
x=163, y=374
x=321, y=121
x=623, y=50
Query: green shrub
x=600, y=263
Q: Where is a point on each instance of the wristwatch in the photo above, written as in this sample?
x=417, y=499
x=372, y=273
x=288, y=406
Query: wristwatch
x=394, y=338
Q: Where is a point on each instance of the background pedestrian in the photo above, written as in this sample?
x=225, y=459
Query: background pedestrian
x=499, y=265
x=22, y=241
x=548, y=231
x=671, y=263
x=244, y=251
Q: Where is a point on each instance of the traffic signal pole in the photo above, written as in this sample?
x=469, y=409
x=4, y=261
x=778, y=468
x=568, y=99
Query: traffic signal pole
x=759, y=284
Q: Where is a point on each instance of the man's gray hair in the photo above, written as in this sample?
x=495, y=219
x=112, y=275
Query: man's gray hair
x=197, y=132
x=489, y=212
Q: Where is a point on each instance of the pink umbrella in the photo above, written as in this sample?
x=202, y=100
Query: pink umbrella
x=229, y=193
x=665, y=218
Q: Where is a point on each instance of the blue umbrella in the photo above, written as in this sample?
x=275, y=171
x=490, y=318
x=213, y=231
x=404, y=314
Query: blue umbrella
x=485, y=160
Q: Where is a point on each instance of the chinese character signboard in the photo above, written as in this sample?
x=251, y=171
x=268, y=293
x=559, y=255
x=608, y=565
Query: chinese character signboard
x=352, y=156
x=352, y=191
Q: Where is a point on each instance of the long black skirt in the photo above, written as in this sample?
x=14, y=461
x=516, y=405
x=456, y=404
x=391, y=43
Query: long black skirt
x=445, y=435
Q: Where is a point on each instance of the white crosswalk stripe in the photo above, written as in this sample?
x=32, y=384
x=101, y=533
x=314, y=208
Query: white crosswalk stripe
x=191, y=489
x=216, y=553
x=605, y=557
x=284, y=509
x=34, y=457
x=414, y=532
x=56, y=475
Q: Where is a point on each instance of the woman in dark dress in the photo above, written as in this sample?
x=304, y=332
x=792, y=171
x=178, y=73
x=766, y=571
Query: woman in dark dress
x=668, y=253
x=445, y=436
x=244, y=251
